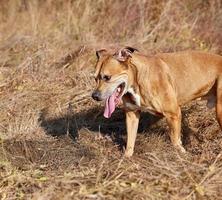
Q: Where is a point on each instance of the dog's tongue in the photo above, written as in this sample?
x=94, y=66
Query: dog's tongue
x=110, y=106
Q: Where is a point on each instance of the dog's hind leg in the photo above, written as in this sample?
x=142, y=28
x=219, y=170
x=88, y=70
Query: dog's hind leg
x=174, y=122
x=219, y=100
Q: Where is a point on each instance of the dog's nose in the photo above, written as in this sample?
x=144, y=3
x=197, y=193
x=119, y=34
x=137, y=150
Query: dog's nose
x=96, y=95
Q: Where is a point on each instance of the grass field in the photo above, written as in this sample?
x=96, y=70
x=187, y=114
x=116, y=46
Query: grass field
x=55, y=143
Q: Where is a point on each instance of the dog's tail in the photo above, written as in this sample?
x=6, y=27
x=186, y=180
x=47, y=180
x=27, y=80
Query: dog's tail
x=219, y=100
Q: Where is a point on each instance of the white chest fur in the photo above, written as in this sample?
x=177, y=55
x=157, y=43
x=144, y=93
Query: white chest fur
x=135, y=96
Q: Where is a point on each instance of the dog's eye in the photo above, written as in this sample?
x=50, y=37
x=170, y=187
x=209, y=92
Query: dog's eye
x=106, y=78
x=98, y=78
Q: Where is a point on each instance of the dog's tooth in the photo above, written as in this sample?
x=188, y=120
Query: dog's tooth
x=118, y=89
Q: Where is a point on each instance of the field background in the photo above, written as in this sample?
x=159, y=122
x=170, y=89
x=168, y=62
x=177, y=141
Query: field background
x=54, y=141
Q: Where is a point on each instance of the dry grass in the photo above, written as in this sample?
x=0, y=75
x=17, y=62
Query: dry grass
x=55, y=143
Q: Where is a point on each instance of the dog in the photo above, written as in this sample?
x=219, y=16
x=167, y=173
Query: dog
x=158, y=84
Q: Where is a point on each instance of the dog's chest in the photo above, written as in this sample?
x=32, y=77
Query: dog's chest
x=132, y=101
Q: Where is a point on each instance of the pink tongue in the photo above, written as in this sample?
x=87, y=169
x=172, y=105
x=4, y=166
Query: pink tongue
x=110, y=106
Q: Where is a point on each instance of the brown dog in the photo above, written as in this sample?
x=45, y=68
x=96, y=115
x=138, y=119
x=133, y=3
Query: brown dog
x=158, y=84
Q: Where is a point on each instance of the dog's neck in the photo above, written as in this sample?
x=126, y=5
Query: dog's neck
x=132, y=95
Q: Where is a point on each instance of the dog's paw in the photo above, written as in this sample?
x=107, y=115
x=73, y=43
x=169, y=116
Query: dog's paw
x=128, y=153
x=180, y=148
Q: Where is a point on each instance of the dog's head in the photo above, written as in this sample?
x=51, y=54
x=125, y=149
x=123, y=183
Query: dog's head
x=111, y=77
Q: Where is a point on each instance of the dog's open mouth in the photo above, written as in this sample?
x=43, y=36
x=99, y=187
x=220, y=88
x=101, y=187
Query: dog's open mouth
x=113, y=100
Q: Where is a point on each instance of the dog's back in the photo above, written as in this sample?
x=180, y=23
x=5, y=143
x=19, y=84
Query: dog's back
x=193, y=72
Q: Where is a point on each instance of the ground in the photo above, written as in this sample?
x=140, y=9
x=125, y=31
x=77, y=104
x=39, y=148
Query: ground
x=55, y=142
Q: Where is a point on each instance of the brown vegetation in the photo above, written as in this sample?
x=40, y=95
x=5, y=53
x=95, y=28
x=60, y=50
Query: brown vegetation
x=55, y=143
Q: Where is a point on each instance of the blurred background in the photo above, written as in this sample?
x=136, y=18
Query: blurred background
x=152, y=24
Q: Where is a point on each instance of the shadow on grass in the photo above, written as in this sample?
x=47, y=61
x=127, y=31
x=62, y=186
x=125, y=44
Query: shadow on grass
x=94, y=121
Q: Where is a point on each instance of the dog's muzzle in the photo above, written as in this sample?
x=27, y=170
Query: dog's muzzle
x=96, y=95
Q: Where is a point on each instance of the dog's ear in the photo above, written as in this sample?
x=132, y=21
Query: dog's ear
x=125, y=53
x=131, y=49
x=101, y=53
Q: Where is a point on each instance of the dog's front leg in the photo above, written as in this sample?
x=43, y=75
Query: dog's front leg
x=132, y=121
